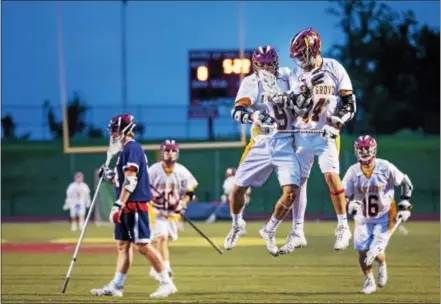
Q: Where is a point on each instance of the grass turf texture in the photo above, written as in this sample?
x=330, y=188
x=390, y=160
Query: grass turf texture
x=247, y=274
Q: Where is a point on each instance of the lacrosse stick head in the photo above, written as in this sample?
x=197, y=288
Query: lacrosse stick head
x=119, y=127
x=305, y=46
x=170, y=151
x=265, y=58
x=261, y=133
x=365, y=149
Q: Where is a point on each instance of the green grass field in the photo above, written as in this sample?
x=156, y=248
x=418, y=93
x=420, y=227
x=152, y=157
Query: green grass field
x=247, y=274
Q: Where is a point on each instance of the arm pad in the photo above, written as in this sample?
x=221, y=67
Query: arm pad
x=348, y=107
x=241, y=114
x=130, y=183
x=406, y=188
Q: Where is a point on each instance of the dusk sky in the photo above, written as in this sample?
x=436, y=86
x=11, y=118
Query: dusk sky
x=159, y=35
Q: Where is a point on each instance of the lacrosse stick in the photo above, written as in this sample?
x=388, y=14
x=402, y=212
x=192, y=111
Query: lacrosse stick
x=370, y=256
x=191, y=224
x=114, y=148
x=261, y=133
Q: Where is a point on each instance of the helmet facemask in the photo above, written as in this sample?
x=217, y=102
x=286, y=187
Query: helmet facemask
x=365, y=149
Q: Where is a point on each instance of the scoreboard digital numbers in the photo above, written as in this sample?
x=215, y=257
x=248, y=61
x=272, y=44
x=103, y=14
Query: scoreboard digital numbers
x=214, y=79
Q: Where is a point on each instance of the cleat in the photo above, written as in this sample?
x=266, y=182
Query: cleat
x=233, y=236
x=294, y=240
x=369, y=286
x=164, y=290
x=270, y=239
x=343, y=234
x=108, y=290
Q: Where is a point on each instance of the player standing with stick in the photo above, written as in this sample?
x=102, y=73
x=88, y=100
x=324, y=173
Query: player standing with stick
x=131, y=211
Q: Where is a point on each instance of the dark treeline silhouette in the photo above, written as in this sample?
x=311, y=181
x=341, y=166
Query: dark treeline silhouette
x=394, y=65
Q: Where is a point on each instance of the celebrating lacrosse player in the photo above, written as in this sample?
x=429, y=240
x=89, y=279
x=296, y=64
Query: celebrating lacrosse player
x=172, y=188
x=254, y=105
x=131, y=211
x=326, y=106
x=77, y=201
x=369, y=188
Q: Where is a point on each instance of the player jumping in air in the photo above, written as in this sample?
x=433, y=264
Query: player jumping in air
x=254, y=105
x=369, y=188
x=77, y=201
x=131, y=211
x=173, y=188
x=328, y=106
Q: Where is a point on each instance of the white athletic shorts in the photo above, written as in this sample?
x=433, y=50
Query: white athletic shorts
x=77, y=210
x=259, y=159
x=165, y=227
x=366, y=234
x=309, y=145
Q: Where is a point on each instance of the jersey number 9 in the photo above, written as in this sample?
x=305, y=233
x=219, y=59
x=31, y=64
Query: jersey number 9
x=281, y=117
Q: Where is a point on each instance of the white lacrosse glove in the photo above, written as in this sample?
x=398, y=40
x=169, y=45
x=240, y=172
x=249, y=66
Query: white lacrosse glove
x=354, y=207
x=65, y=206
x=223, y=199
x=404, y=208
x=264, y=119
x=332, y=127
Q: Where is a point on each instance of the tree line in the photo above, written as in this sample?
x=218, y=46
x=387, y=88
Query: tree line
x=393, y=62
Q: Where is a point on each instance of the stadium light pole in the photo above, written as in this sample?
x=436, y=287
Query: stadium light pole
x=124, y=55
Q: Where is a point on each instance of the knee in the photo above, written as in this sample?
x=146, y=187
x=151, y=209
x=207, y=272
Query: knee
x=290, y=193
x=239, y=191
x=123, y=247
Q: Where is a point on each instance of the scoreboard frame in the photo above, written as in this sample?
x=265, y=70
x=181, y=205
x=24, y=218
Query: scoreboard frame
x=214, y=78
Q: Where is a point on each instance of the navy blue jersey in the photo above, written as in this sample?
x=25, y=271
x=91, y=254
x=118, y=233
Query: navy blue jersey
x=132, y=155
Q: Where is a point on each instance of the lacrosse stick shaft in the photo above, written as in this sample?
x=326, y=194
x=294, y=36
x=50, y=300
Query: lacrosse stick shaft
x=395, y=226
x=201, y=233
x=193, y=225
x=80, y=240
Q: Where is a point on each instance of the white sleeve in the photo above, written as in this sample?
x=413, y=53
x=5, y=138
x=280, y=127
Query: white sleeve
x=348, y=183
x=248, y=89
x=396, y=175
x=343, y=80
x=191, y=180
x=294, y=83
x=151, y=174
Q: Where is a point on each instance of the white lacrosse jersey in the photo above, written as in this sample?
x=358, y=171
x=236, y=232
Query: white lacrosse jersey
x=251, y=88
x=325, y=95
x=376, y=192
x=78, y=194
x=229, y=185
x=172, y=185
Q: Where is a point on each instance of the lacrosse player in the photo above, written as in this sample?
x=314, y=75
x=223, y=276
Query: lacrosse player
x=77, y=201
x=172, y=188
x=369, y=188
x=254, y=105
x=131, y=211
x=325, y=106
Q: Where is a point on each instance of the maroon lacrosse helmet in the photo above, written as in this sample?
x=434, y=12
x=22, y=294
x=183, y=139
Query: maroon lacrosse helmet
x=365, y=149
x=304, y=48
x=170, y=151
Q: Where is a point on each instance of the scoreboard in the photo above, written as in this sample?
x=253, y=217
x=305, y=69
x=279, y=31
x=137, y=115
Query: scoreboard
x=214, y=78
